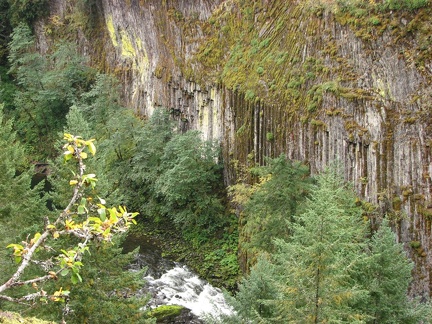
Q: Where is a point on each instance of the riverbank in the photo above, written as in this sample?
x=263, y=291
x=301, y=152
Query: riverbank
x=213, y=259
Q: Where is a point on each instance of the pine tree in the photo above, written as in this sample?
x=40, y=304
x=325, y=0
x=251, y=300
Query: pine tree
x=48, y=85
x=188, y=182
x=385, y=273
x=315, y=263
x=253, y=301
x=139, y=182
x=269, y=211
x=21, y=206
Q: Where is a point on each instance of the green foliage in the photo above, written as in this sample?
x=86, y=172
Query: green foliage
x=328, y=270
x=187, y=182
x=220, y=260
x=100, y=115
x=14, y=318
x=26, y=11
x=255, y=291
x=20, y=205
x=268, y=211
x=403, y=4
x=270, y=137
x=360, y=8
x=69, y=240
x=47, y=86
x=7, y=90
x=385, y=273
x=5, y=30
x=108, y=292
x=175, y=176
x=325, y=244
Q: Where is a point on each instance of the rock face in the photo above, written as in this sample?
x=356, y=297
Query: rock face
x=264, y=78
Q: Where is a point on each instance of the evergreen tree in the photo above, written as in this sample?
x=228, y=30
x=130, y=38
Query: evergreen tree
x=139, y=182
x=329, y=271
x=253, y=301
x=188, y=182
x=312, y=268
x=21, y=206
x=326, y=243
x=269, y=211
x=385, y=273
x=48, y=85
x=5, y=30
x=107, y=293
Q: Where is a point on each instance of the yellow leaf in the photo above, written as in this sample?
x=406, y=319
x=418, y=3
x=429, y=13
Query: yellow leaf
x=73, y=182
x=91, y=147
x=52, y=274
x=56, y=234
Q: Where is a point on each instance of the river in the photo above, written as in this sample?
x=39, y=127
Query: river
x=173, y=283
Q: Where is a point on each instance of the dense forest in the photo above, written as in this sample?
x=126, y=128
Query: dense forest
x=287, y=245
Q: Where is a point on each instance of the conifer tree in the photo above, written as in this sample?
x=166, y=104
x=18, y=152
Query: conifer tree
x=188, y=182
x=385, y=273
x=269, y=211
x=256, y=292
x=313, y=266
x=315, y=263
x=48, y=85
x=21, y=206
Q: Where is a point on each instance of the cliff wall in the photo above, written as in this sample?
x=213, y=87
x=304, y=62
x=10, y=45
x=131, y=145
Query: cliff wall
x=268, y=77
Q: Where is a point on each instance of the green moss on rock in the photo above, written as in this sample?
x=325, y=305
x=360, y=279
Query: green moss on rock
x=166, y=312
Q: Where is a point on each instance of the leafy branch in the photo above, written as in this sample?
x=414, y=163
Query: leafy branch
x=82, y=218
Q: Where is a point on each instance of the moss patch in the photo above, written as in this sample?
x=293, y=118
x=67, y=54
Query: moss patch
x=166, y=312
x=111, y=30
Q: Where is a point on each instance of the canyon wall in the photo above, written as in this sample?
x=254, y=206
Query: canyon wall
x=286, y=77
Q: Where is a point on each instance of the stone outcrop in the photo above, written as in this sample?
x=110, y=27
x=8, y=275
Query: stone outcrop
x=287, y=77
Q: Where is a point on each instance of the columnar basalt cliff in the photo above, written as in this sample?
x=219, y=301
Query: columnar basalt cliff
x=269, y=77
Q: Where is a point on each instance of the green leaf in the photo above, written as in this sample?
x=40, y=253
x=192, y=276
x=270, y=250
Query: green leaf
x=106, y=232
x=113, y=215
x=102, y=213
x=74, y=278
x=64, y=272
x=67, y=156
